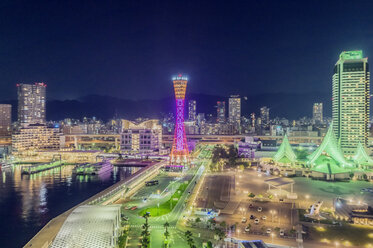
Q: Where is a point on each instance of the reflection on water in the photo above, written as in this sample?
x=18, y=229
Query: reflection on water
x=28, y=202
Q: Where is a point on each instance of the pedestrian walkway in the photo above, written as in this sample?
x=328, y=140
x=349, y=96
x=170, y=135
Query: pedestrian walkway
x=152, y=227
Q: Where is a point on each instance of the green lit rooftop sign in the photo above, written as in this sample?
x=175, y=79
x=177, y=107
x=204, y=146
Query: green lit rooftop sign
x=351, y=55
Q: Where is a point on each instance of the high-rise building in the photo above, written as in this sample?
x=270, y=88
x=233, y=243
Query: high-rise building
x=235, y=109
x=31, y=103
x=179, y=152
x=220, y=112
x=264, y=115
x=5, y=120
x=317, y=112
x=252, y=116
x=192, y=110
x=351, y=100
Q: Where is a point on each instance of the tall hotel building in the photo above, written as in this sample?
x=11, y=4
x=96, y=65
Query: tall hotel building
x=192, y=110
x=220, y=112
x=317, y=113
x=5, y=120
x=31, y=103
x=351, y=100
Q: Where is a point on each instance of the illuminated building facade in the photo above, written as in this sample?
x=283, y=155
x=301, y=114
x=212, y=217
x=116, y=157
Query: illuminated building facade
x=351, y=100
x=5, y=120
x=31, y=103
x=235, y=112
x=179, y=152
x=220, y=112
x=141, y=137
x=264, y=115
x=317, y=113
x=192, y=110
x=35, y=137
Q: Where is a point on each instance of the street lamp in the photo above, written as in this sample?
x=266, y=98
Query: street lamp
x=272, y=213
x=306, y=202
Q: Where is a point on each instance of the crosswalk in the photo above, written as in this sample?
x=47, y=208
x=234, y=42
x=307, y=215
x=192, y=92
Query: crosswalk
x=153, y=227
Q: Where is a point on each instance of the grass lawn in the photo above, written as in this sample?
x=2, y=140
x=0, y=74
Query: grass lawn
x=167, y=206
x=345, y=235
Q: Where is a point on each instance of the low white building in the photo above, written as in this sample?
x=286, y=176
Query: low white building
x=90, y=226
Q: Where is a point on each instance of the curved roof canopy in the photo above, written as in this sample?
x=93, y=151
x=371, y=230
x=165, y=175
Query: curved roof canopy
x=285, y=153
x=361, y=157
x=331, y=147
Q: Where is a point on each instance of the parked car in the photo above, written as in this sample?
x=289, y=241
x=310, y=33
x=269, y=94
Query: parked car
x=252, y=217
x=264, y=217
x=282, y=232
x=269, y=230
x=134, y=208
x=251, y=205
x=127, y=207
x=244, y=220
x=260, y=209
x=256, y=221
x=247, y=229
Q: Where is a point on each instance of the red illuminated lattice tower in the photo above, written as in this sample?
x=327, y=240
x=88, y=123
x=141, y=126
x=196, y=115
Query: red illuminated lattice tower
x=179, y=153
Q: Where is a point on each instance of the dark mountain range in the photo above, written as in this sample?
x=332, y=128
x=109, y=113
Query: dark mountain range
x=286, y=105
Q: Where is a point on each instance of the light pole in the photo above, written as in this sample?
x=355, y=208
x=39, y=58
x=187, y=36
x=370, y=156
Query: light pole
x=307, y=197
x=272, y=213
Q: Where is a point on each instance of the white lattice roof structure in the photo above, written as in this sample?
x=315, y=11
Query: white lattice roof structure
x=90, y=226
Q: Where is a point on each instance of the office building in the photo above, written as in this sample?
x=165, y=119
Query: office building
x=143, y=137
x=264, y=116
x=192, y=110
x=5, y=120
x=351, y=100
x=31, y=103
x=220, y=112
x=235, y=112
x=317, y=113
x=201, y=119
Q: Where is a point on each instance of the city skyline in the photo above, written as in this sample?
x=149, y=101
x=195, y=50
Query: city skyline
x=186, y=124
x=68, y=81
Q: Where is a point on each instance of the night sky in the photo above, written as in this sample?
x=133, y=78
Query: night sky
x=131, y=49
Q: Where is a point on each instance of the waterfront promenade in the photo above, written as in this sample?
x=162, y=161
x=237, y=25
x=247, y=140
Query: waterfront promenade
x=46, y=235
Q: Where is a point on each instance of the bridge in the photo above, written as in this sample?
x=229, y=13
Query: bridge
x=74, y=140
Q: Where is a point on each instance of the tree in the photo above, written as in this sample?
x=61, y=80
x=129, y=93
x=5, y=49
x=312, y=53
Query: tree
x=220, y=233
x=209, y=244
x=166, y=233
x=145, y=241
x=188, y=236
x=223, y=224
x=251, y=195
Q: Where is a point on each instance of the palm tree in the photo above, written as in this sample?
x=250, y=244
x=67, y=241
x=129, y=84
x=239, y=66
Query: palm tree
x=145, y=241
x=188, y=235
x=166, y=233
